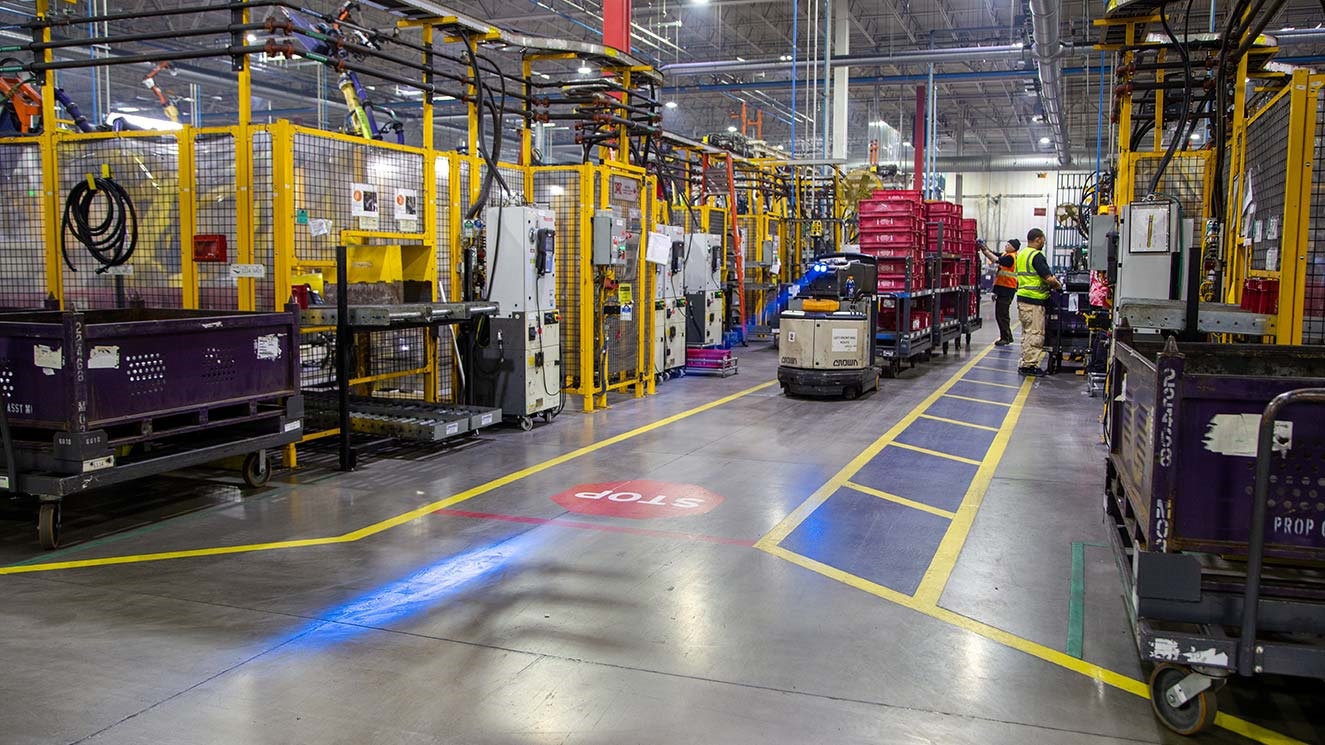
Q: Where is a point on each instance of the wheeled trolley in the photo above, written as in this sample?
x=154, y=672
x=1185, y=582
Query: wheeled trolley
x=102, y=397
x=826, y=343
x=1217, y=463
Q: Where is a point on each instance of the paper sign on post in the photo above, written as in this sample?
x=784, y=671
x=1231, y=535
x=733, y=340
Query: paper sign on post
x=407, y=204
x=364, y=200
x=659, y=248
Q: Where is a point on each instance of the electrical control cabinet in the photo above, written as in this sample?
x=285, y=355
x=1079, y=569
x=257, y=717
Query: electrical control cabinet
x=520, y=242
x=671, y=274
x=518, y=353
x=1154, y=242
x=518, y=364
x=702, y=282
x=612, y=240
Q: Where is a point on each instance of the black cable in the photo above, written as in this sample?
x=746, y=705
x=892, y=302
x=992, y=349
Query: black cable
x=1186, y=95
x=111, y=241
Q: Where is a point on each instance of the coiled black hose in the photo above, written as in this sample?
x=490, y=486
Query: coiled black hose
x=110, y=241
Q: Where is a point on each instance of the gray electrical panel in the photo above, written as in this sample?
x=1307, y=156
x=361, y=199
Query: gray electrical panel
x=1153, y=243
x=1100, y=228
x=610, y=239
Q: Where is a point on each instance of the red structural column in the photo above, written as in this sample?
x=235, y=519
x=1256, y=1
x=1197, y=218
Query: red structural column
x=616, y=24
x=918, y=137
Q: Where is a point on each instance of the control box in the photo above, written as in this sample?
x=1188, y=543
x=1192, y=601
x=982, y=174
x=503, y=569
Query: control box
x=703, y=263
x=1154, y=242
x=670, y=274
x=520, y=243
x=612, y=239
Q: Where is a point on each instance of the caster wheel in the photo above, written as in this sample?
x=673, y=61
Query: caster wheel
x=526, y=423
x=257, y=470
x=48, y=525
x=1188, y=719
x=547, y=417
x=851, y=393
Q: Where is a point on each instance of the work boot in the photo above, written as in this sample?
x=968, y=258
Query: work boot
x=1030, y=372
x=1002, y=343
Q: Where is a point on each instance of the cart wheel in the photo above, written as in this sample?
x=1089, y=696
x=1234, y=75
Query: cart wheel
x=851, y=392
x=257, y=470
x=48, y=525
x=526, y=423
x=1188, y=719
x=547, y=416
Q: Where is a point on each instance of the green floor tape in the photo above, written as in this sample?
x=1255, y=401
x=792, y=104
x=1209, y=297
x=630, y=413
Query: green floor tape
x=1076, y=611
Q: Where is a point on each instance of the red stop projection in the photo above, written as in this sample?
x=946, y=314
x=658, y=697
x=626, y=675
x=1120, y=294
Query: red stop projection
x=639, y=499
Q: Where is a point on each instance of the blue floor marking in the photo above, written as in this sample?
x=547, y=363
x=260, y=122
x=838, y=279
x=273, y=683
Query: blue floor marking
x=937, y=482
x=989, y=415
x=986, y=392
x=1006, y=377
x=881, y=541
x=952, y=439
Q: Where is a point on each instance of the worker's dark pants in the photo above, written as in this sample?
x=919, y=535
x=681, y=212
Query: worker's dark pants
x=1003, y=314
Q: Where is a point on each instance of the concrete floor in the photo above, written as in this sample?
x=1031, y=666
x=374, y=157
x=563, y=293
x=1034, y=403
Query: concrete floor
x=937, y=613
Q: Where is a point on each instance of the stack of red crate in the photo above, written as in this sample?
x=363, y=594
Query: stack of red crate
x=943, y=220
x=892, y=230
x=971, y=252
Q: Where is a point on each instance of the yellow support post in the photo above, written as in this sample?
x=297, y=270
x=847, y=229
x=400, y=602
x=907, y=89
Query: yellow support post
x=1237, y=257
x=1297, y=193
x=244, y=183
x=188, y=219
x=432, y=378
x=50, y=170
x=283, y=209
x=589, y=322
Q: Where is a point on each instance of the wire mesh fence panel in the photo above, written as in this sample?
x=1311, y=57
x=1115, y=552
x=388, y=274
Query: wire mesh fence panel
x=215, y=196
x=23, y=252
x=147, y=168
x=1265, y=183
x=1183, y=179
x=560, y=190
x=264, y=236
x=1313, y=307
x=1069, y=245
x=446, y=339
x=512, y=177
x=622, y=331
x=346, y=185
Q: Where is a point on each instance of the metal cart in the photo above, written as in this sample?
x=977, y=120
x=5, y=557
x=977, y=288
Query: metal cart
x=1067, y=330
x=1215, y=465
x=102, y=397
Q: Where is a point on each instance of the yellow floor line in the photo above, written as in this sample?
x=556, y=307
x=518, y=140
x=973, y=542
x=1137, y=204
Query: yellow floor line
x=1047, y=654
x=986, y=382
x=977, y=400
x=997, y=369
x=950, y=548
x=797, y=516
x=937, y=453
x=958, y=422
x=900, y=500
x=391, y=522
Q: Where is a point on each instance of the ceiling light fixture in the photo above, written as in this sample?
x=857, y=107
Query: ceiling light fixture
x=1044, y=140
x=670, y=104
x=1196, y=136
x=699, y=2
x=731, y=129
x=877, y=123
x=907, y=143
x=584, y=68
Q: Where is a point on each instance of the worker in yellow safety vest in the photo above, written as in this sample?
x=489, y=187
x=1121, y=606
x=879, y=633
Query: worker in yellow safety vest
x=1034, y=281
x=1005, y=287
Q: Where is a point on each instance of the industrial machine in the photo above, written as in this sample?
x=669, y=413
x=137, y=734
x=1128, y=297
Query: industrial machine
x=669, y=314
x=702, y=289
x=517, y=360
x=826, y=344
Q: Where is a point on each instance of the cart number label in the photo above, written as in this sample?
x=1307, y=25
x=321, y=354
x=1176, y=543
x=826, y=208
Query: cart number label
x=268, y=347
x=49, y=358
x=103, y=358
x=292, y=426
x=845, y=340
x=1170, y=394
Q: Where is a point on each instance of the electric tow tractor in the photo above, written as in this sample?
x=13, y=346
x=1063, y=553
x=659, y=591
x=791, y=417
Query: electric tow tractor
x=826, y=342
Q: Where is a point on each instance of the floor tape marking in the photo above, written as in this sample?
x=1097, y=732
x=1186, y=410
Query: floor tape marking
x=900, y=500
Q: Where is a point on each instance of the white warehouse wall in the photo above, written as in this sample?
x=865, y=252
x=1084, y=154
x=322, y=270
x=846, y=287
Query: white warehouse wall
x=1004, y=202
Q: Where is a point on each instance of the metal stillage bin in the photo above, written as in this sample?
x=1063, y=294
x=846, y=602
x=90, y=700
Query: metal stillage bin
x=1183, y=425
x=101, y=397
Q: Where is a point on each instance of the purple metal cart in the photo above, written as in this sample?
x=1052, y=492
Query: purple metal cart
x=101, y=397
x=1215, y=464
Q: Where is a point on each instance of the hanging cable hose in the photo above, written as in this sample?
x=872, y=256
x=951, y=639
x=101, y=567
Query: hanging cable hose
x=112, y=240
x=1176, y=143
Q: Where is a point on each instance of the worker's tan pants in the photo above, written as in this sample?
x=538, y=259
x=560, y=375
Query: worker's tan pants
x=1032, y=333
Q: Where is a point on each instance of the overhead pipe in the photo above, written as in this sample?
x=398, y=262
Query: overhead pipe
x=973, y=163
x=950, y=54
x=1047, y=51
